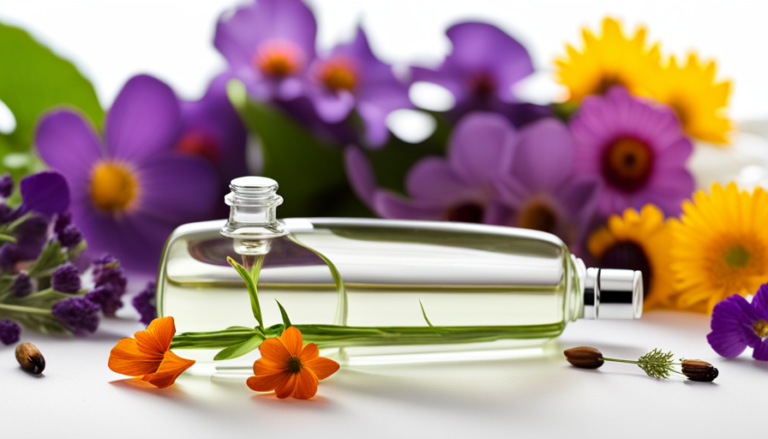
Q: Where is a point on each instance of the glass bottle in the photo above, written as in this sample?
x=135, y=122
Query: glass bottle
x=433, y=290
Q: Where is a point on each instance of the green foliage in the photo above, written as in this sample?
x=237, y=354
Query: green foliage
x=656, y=364
x=240, y=349
x=424, y=313
x=284, y=315
x=33, y=80
x=251, y=278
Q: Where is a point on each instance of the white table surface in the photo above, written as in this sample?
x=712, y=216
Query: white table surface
x=78, y=396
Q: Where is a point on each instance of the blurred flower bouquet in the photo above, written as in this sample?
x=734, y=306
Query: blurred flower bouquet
x=605, y=169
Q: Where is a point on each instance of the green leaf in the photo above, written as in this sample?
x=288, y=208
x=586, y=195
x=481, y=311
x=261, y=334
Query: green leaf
x=240, y=349
x=310, y=172
x=50, y=257
x=7, y=238
x=33, y=80
x=286, y=320
x=424, y=313
x=250, y=283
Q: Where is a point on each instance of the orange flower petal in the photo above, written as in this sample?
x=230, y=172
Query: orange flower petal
x=126, y=358
x=286, y=387
x=306, y=384
x=267, y=383
x=309, y=353
x=170, y=369
x=157, y=337
x=273, y=350
x=322, y=367
x=292, y=340
x=263, y=366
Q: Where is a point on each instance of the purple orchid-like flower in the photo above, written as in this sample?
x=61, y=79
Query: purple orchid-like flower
x=352, y=77
x=456, y=188
x=269, y=45
x=538, y=187
x=737, y=324
x=132, y=188
x=480, y=72
x=636, y=148
x=212, y=129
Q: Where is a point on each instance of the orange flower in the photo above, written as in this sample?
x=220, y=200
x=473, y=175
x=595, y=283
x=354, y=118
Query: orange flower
x=290, y=368
x=148, y=356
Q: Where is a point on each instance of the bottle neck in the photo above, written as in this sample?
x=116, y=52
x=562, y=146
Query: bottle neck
x=252, y=215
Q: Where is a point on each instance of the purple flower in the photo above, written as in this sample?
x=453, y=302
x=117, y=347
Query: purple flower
x=44, y=195
x=636, y=148
x=6, y=185
x=481, y=71
x=62, y=220
x=352, y=77
x=144, y=302
x=537, y=185
x=269, y=45
x=212, y=129
x=66, y=279
x=456, y=188
x=9, y=255
x=130, y=190
x=9, y=332
x=78, y=314
x=110, y=282
x=22, y=285
x=70, y=236
x=737, y=324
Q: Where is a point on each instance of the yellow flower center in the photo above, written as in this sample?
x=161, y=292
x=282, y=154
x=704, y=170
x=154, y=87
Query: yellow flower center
x=538, y=216
x=627, y=163
x=761, y=328
x=113, y=186
x=278, y=58
x=736, y=256
x=294, y=365
x=338, y=74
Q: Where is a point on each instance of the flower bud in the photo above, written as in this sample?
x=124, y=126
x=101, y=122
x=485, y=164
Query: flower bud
x=30, y=358
x=697, y=370
x=584, y=357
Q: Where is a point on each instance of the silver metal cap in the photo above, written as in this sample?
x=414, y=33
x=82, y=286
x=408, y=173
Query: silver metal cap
x=613, y=294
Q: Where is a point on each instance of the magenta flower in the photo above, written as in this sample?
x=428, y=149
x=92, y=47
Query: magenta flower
x=737, y=324
x=132, y=188
x=456, y=188
x=269, y=45
x=212, y=129
x=636, y=148
x=537, y=185
x=352, y=77
x=481, y=71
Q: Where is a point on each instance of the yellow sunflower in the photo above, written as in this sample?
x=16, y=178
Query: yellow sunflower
x=607, y=60
x=720, y=246
x=699, y=101
x=638, y=241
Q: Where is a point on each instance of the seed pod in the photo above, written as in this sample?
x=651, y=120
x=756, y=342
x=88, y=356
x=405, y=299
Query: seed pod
x=697, y=370
x=584, y=357
x=30, y=358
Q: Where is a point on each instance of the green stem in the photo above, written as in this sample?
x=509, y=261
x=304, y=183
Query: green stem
x=620, y=361
x=25, y=309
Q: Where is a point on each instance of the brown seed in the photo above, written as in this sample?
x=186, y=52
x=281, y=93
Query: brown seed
x=584, y=357
x=30, y=358
x=697, y=370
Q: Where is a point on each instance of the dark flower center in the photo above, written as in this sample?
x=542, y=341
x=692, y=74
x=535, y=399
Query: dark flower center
x=338, y=74
x=629, y=256
x=278, y=58
x=737, y=256
x=538, y=216
x=201, y=145
x=465, y=213
x=482, y=84
x=294, y=365
x=761, y=328
x=627, y=163
x=606, y=83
